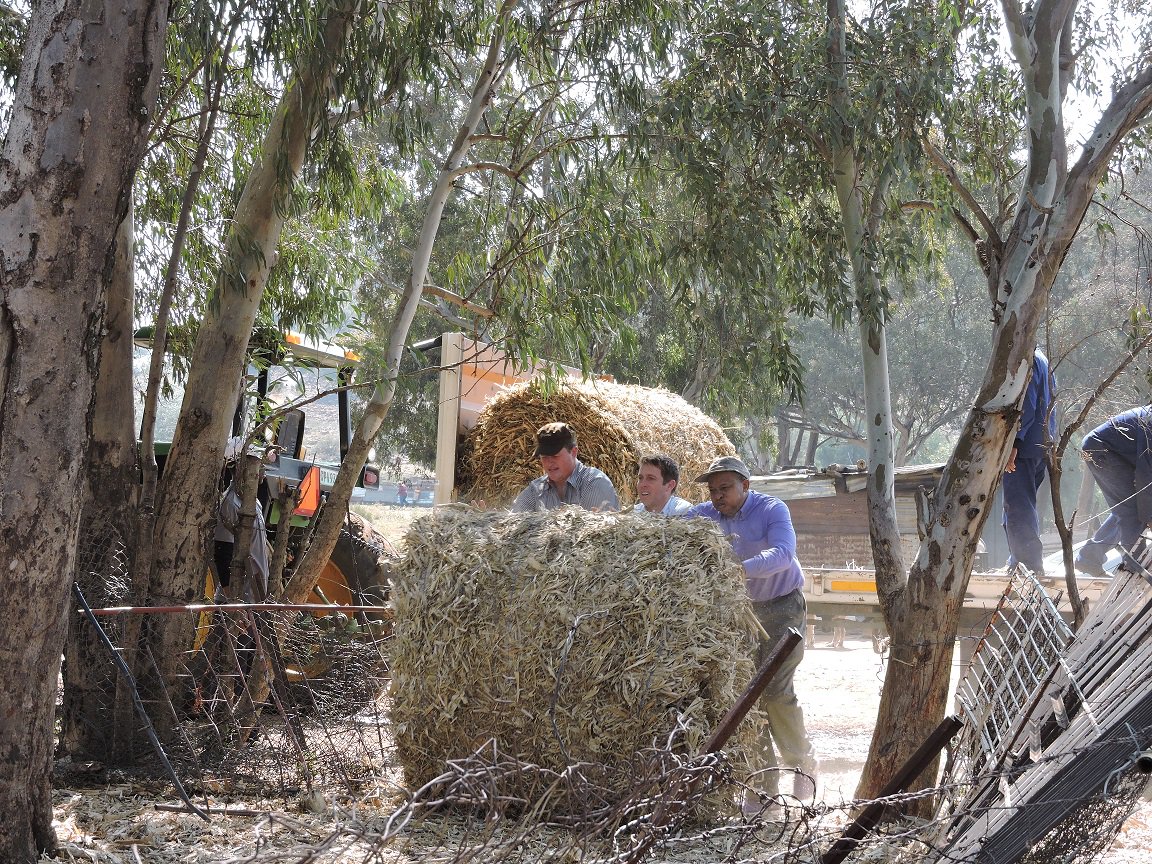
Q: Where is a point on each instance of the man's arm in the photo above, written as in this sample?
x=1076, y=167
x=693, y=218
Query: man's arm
x=773, y=563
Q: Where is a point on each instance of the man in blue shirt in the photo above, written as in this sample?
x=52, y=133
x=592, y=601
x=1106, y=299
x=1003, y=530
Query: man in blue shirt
x=566, y=479
x=763, y=539
x=1027, y=468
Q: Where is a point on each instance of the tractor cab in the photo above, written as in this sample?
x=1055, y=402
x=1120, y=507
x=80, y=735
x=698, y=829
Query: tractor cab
x=299, y=466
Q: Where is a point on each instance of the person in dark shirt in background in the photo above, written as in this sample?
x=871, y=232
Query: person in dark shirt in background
x=1027, y=468
x=1118, y=453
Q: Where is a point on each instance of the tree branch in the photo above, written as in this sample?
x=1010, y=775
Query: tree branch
x=474, y=167
x=464, y=303
x=953, y=177
x=1129, y=108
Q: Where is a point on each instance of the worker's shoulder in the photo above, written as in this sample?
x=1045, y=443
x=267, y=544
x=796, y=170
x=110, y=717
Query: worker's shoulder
x=585, y=473
x=763, y=499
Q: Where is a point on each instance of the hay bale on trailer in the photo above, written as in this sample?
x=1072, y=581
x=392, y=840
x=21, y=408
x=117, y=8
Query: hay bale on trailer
x=615, y=425
x=571, y=638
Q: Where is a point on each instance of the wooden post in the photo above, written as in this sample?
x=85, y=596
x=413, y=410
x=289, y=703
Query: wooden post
x=448, y=418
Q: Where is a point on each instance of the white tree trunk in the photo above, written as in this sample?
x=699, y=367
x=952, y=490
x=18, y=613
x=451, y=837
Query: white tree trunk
x=859, y=223
x=332, y=516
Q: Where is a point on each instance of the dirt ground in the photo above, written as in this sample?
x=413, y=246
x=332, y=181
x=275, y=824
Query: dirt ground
x=118, y=824
x=838, y=687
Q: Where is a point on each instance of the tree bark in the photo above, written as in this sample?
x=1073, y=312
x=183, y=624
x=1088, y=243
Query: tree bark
x=87, y=87
x=813, y=445
x=89, y=727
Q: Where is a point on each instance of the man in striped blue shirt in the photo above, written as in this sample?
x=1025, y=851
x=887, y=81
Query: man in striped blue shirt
x=566, y=479
x=760, y=530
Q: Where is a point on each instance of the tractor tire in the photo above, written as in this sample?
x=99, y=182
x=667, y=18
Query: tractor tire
x=356, y=574
x=360, y=567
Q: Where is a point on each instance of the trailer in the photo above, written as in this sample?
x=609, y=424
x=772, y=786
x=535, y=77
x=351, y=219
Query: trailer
x=829, y=511
x=471, y=373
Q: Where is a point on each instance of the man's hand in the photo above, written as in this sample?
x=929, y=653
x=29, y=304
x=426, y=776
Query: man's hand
x=1011, y=466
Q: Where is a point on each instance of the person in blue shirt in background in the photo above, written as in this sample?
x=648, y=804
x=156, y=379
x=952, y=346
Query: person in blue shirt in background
x=1118, y=454
x=760, y=530
x=1027, y=468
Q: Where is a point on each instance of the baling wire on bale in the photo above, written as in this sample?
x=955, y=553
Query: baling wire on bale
x=576, y=641
x=615, y=425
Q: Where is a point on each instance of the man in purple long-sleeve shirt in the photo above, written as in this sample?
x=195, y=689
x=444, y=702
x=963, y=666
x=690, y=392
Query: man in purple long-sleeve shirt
x=763, y=539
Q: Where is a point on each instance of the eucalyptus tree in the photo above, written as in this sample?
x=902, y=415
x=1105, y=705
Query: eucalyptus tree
x=821, y=113
x=804, y=121
x=532, y=135
x=213, y=100
x=336, y=61
x=76, y=134
x=1024, y=242
x=120, y=478
x=789, y=116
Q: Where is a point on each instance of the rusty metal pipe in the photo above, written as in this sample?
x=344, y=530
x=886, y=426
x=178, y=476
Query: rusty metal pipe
x=903, y=778
x=236, y=607
x=760, y=680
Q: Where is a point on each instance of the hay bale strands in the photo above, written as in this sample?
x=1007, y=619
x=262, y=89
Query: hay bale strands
x=615, y=425
x=568, y=636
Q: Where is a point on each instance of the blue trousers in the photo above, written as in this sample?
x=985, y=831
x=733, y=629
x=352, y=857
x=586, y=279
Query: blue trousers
x=1095, y=548
x=1115, y=474
x=1021, y=518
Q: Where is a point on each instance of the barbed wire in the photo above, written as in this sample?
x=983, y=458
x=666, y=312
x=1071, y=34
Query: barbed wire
x=327, y=731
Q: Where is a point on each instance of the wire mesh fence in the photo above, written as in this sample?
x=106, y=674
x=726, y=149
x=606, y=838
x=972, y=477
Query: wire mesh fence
x=267, y=698
x=1021, y=644
x=1052, y=760
x=278, y=699
x=293, y=702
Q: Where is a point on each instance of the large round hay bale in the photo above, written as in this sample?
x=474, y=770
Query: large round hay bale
x=615, y=425
x=568, y=637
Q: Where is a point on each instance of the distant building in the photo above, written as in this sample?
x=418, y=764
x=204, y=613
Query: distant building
x=830, y=512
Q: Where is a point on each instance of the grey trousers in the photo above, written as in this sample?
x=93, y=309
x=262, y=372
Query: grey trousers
x=783, y=740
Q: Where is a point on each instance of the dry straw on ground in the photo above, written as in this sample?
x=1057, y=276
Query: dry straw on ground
x=615, y=425
x=568, y=637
